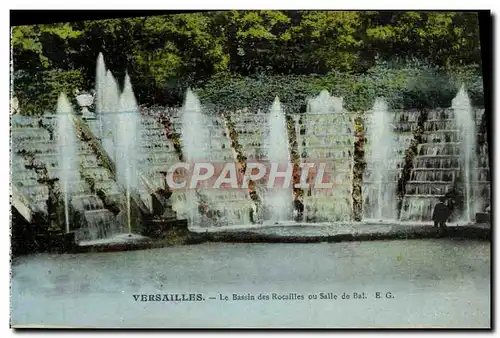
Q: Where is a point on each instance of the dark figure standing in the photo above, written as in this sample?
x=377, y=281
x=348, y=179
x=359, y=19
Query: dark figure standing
x=440, y=214
x=299, y=210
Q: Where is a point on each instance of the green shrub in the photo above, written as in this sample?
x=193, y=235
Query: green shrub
x=37, y=92
x=410, y=85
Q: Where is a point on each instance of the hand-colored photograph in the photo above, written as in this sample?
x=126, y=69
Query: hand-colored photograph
x=251, y=169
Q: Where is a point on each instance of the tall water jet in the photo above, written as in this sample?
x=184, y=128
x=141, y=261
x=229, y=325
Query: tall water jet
x=100, y=89
x=127, y=144
x=280, y=198
x=67, y=151
x=110, y=107
x=195, y=145
x=381, y=186
x=324, y=103
x=464, y=118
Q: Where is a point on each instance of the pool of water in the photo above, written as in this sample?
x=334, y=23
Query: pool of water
x=432, y=283
x=318, y=229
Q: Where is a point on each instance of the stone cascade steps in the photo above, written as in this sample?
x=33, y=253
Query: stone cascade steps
x=158, y=154
x=26, y=133
x=369, y=177
x=115, y=193
x=328, y=138
x=437, y=165
x=38, y=138
x=93, y=167
x=236, y=202
x=252, y=129
x=380, y=187
x=428, y=188
x=161, y=157
x=442, y=148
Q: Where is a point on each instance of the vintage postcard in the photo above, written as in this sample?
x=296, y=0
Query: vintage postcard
x=251, y=169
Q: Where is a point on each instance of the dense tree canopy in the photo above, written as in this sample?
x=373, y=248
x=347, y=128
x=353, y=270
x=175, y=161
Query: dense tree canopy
x=165, y=54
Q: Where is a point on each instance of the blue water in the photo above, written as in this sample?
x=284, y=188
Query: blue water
x=434, y=283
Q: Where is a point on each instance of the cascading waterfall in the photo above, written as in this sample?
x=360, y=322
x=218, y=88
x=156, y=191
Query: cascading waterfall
x=219, y=151
x=67, y=151
x=329, y=138
x=195, y=144
x=127, y=144
x=435, y=165
x=329, y=141
x=280, y=198
x=465, y=121
x=447, y=152
x=380, y=186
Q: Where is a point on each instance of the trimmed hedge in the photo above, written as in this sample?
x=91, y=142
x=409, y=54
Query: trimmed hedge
x=412, y=86
x=38, y=91
x=409, y=85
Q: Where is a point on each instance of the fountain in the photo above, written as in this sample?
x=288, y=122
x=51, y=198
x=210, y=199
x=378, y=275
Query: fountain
x=324, y=103
x=436, y=166
x=157, y=155
x=380, y=182
x=280, y=198
x=50, y=157
x=228, y=205
x=143, y=147
x=67, y=151
x=127, y=140
x=108, y=116
x=329, y=139
x=109, y=103
x=465, y=121
x=195, y=141
x=446, y=165
x=100, y=90
x=205, y=140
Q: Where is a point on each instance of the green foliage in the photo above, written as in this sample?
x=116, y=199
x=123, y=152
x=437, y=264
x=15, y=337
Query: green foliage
x=413, y=85
x=37, y=92
x=280, y=51
x=443, y=38
x=42, y=46
x=231, y=92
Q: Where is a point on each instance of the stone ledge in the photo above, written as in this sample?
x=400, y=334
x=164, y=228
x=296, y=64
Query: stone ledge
x=399, y=232
x=404, y=232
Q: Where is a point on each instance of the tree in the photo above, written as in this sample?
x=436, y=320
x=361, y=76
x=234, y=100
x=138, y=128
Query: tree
x=442, y=38
x=43, y=65
x=166, y=54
